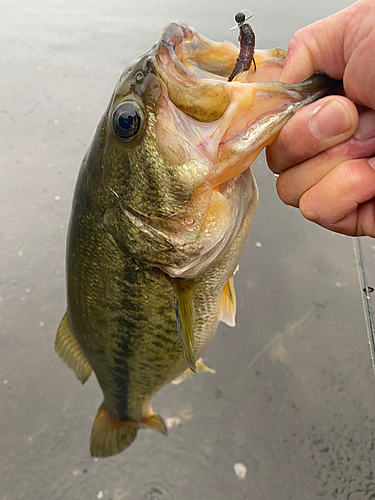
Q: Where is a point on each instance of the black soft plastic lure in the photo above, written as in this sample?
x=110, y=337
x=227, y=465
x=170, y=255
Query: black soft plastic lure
x=247, y=46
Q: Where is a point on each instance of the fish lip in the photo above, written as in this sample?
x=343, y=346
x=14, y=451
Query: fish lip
x=174, y=33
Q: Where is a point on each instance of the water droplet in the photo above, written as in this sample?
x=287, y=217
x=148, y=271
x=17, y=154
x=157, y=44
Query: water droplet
x=189, y=222
x=276, y=175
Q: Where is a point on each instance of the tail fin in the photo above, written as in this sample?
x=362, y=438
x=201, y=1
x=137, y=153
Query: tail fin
x=110, y=436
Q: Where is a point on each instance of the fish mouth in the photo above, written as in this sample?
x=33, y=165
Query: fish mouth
x=212, y=130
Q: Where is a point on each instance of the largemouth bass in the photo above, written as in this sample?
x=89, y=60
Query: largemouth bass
x=162, y=209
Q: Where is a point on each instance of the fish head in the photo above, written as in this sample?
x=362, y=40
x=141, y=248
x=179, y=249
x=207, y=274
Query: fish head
x=173, y=154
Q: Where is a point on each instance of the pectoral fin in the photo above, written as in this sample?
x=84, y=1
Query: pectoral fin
x=228, y=304
x=67, y=347
x=200, y=367
x=184, y=307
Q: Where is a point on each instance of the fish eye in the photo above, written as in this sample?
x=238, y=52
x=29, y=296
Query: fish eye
x=127, y=119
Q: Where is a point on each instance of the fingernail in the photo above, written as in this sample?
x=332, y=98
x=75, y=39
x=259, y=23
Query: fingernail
x=329, y=120
x=371, y=162
x=366, y=126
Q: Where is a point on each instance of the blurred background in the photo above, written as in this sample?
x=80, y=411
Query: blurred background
x=290, y=412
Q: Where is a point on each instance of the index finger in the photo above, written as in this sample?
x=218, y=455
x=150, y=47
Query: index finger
x=318, y=47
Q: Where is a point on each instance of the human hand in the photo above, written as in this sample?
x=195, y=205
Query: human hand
x=325, y=170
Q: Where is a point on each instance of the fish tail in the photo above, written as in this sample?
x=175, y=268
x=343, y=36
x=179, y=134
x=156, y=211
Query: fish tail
x=111, y=435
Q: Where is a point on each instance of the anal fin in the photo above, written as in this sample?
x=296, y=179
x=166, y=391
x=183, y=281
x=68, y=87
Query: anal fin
x=184, y=306
x=155, y=422
x=228, y=304
x=200, y=366
x=67, y=347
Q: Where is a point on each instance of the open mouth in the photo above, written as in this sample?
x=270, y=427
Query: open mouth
x=211, y=130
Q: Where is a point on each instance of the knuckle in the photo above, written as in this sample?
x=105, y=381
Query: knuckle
x=298, y=39
x=352, y=172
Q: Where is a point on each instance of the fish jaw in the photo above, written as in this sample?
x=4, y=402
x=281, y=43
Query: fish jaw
x=223, y=124
x=220, y=127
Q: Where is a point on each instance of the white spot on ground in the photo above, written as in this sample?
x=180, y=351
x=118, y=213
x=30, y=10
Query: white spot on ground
x=55, y=122
x=27, y=290
x=258, y=244
x=5, y=382
x=57, y=197
x=240, y=470
x=172, y=422
x=338, y=284
x=100, y=494
x=20, y=253
x=41, y=323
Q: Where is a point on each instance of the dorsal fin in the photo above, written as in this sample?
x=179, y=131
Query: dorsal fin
x=67, y=347
x=184, y=307
x=228, y=304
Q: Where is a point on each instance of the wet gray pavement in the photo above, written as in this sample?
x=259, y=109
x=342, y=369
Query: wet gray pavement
x=293, y=396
